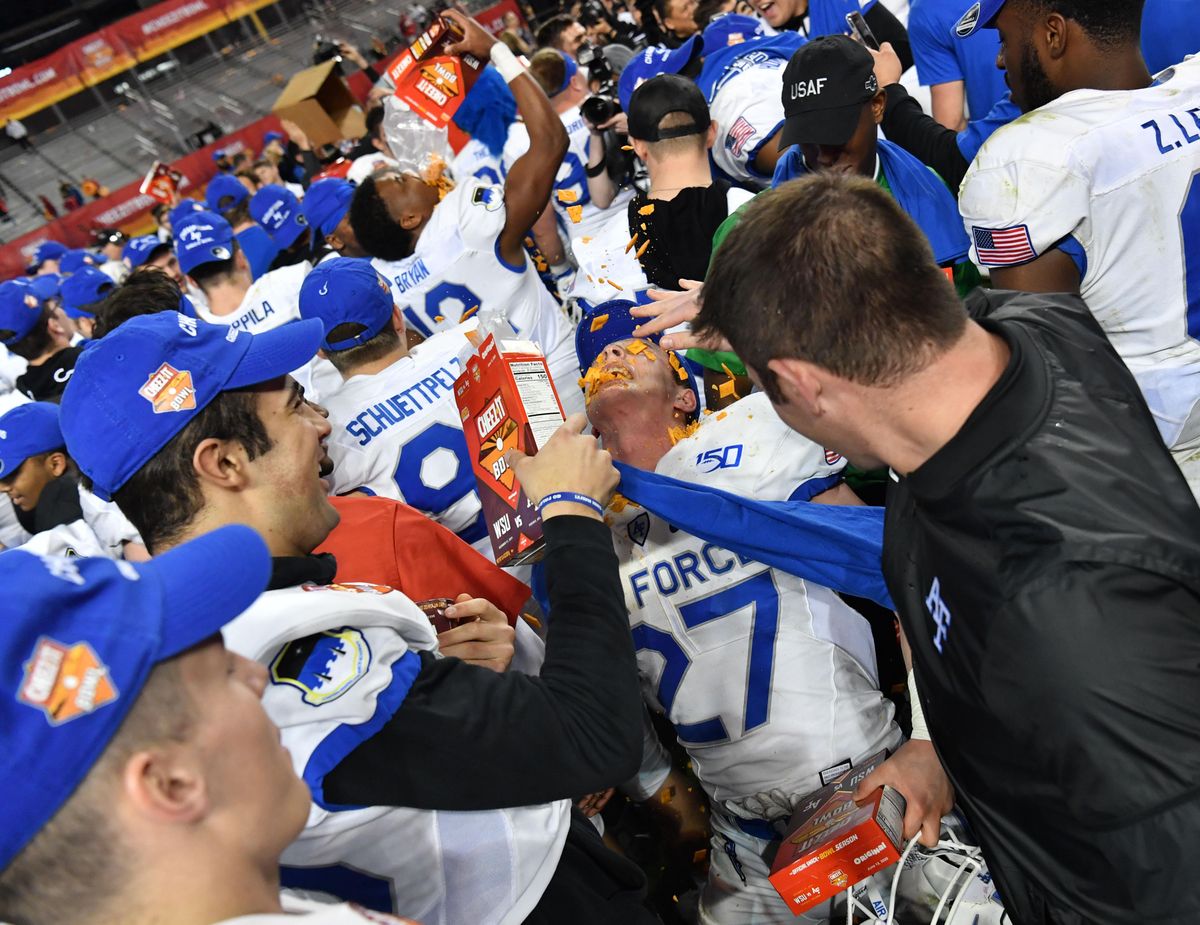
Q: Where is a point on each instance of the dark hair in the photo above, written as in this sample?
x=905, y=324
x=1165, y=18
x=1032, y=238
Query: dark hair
x=375, y=122
x=215, y=272
x=37, y=341
x=549, y=35
x=236, y=214
x=705, y=11
x=163, y=496
x=549, y=69
x=1107, y=22
x=379, y=346
x=681, y=145
x=146, y=291
x=829, y=269
x=377, y=233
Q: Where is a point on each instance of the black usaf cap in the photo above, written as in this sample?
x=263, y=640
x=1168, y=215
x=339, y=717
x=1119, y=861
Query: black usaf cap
x=824, y=88
x=660, y=96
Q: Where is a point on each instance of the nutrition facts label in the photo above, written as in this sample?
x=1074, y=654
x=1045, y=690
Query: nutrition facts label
x=537, y=395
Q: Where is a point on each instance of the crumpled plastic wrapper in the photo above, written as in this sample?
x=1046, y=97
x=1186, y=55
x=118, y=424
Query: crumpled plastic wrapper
x=417, y=145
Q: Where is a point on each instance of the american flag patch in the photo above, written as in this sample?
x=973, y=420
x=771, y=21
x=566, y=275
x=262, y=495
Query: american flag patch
x=1003, y=247
x=741, y=132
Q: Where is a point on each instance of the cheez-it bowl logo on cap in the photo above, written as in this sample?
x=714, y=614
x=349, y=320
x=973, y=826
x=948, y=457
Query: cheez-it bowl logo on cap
x=169, y=389
x=65, y=682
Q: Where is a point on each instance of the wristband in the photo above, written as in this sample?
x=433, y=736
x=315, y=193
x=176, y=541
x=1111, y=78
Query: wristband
x=919, y=729
x=594, y=172
x=573, y=497
x=506, y=62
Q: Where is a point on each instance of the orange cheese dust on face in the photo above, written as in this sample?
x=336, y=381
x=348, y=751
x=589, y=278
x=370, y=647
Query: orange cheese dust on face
x=678, y=433
x=597, y=376
x=567, y=195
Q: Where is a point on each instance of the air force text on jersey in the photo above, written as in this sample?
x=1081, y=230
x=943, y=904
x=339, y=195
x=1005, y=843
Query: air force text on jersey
x=420, y=396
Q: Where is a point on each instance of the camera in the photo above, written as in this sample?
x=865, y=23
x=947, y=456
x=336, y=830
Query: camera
x=602, y=105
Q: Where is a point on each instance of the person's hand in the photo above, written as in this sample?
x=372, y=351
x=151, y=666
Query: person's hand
x=593, y=803
x=476, y=40
x=619, y=123
x=378, y=94
x=296, y=134
x=483, y=637
x=917, y=773
x=352, y=54
x=887, y=64
x=668, y=309
x=570, y=461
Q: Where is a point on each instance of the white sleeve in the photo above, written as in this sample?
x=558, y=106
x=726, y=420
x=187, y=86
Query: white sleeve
x=748, y=111
x=73, y=539
x=655, y=767
x=481, y=213
x=1016, y=207
x=112, y=528
x=516, y=145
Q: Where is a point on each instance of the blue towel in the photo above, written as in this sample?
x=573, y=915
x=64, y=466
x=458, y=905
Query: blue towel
x=835, y=546
x=917, y=189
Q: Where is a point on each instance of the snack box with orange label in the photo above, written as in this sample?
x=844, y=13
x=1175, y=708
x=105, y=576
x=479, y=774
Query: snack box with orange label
x=507, y=401
x=832, y=843
x=432, y=82
x=161, y=183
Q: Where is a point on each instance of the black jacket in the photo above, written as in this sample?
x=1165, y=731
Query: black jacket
x=1046, y=566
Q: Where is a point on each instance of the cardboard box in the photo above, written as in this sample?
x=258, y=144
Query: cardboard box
x=319, y=101
x=507, y=401
x=431, y=82
x=832, y=843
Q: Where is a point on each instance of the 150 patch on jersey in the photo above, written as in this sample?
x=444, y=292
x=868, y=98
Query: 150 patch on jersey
x=65, y=682
x=323, y=666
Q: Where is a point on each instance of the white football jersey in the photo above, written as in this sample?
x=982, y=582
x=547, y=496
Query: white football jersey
x=748, y=109
x=340, y=661
x=317, y=914
x=1113, y=176
x=475, y=161
x=271, y=301
x=456, y=270
x=570, y=184
x=768, y=679
x=74, y=539
x=398, y=434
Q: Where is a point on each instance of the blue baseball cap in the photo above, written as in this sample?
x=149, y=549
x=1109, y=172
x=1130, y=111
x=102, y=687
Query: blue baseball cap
x=74, y=259
x=655, y=60
x=20, y=309
x=139, y=249
x=278, y=211
x=347, y=290
x=83, y=288
x=570, y=69
x=185, y=208
x=218, y=153
x=202, y=237
x=48, y=250
x=46, y=286
x=326, y=203
x=78, y=639
x=981, y=15
x=272, y=136
x=225, y=191
x=728, y=29
x=137, y=387
x=28, y=430
x=610, y=322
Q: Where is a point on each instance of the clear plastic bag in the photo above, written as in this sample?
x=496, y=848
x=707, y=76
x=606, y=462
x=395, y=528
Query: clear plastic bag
x=417, y=145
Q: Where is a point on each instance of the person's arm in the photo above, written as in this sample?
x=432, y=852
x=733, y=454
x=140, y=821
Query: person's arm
x=947, y=100
x=906, y=124
x=531, y=179
x=515, y=740
x=888, y=28
x=767, y=156
x=601, y=188
x=1054, y=271
x=545, y=235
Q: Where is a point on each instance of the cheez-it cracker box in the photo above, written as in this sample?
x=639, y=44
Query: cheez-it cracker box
x=832, y=843
x=507, y=401
x=432, y=82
